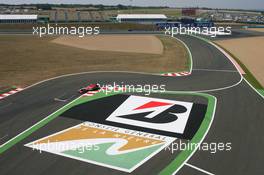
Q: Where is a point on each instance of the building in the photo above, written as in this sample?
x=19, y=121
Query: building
x=141, y=18
x=185, y=22
x=43, y=18
x=7, y=18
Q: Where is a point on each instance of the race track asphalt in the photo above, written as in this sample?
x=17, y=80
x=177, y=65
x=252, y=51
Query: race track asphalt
x=238, y=118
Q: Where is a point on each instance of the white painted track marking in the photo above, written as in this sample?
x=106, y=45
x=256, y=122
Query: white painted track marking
x=232, y=60
x=38, y=123
x=152, y=74
x=216, y=70
x=199, y=169
x=189, y=52
x=207, y=130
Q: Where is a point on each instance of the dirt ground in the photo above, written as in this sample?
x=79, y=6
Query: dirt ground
x=117, y=43
x=256, y=29
x=250, y=51
x=29, y=59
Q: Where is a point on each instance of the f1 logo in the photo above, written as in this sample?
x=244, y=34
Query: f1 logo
x=153, y=113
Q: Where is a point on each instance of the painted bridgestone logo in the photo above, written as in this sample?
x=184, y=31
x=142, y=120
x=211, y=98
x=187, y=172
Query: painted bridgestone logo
x=153, y=115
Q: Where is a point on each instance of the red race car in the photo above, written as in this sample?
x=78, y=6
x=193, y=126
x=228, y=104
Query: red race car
x=91, y=87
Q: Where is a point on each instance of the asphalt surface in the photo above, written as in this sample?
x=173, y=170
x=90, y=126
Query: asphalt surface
x=238, y=119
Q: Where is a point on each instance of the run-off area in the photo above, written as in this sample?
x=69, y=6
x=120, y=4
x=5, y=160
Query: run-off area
x=124, y=132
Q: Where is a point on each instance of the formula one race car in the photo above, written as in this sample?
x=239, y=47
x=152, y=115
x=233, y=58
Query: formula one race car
x=91, y=87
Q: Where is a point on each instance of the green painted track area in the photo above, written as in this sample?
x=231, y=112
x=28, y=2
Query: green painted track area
x=185, y=155
x=45, y=121
x=175, y=165
x=261, y=91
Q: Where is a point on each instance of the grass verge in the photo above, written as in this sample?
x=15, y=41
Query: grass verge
x=248, y=75
x=179, y=53
x=7, y=89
